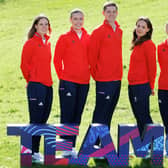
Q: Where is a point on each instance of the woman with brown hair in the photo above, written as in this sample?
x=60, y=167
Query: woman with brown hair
x=142, y=72
x=36, y=69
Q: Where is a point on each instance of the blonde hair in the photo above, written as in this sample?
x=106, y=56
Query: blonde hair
x=76, y=10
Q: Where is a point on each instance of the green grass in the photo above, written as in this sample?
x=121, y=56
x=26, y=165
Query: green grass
x=16, y=17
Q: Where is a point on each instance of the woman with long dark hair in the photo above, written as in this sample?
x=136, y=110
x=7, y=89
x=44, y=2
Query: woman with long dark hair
x=142, y=72
x=36, y=69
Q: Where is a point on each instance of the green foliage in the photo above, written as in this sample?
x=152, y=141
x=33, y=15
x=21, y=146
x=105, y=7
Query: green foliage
x=16, y=17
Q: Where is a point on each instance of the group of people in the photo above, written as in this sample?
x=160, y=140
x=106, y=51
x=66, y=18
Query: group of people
x=78, y=56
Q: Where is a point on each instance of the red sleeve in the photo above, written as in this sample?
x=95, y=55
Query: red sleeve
x=94, y=46
x=159, y=55
x=150, y=52
x=59, y=52
x=88, y=43
x=26, y=60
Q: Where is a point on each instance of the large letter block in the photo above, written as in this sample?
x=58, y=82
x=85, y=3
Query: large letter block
x=152, y=140
x=50, y=143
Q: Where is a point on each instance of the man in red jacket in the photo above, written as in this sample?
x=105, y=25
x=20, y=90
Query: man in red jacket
x=105, y=57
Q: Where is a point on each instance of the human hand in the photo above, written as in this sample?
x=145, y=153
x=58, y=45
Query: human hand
x=152, y=92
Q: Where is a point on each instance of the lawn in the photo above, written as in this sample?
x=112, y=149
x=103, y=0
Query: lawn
x=16, y=17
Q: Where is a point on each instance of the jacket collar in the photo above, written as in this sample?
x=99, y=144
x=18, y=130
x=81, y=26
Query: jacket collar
x=106, y=23
x=166, y=42
x=73, y=31
x=37, y=35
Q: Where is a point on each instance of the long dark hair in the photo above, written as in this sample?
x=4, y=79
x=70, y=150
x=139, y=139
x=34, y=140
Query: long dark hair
x=35, y=22
x=147, y=36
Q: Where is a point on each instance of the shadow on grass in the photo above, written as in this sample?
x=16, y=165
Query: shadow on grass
x=146, y=163
x=58, y=166
x=102, y=163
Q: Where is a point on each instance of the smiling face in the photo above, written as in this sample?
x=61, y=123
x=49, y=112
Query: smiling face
x=42, y=26
x=141, y=28
x=77, y=20
x=110, y=13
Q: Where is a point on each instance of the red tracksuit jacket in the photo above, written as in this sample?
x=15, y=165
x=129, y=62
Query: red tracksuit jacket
x=163, y=62
x=105, y=53
x=36, y=60
x=142, y=68
x=71, y=58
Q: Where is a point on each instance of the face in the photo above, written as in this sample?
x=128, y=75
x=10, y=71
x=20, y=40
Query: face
x=141, y=28
x=110, y=13
x=42, y=26
x=77, y=21
x=167, y=28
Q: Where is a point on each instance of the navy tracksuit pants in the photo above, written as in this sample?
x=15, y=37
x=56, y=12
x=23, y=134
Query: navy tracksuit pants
x=163, y=107
x=139, y=100
x=39, y=102
x=72, y=101
x=107, y=95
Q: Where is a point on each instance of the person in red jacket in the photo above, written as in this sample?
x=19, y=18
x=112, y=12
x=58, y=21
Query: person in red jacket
x=105, y=58
x=72, y=67
x=36, y=69
x=163, y=84
x=142, y=72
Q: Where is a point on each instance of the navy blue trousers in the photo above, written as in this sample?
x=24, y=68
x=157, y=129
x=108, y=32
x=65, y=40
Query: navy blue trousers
x=163, y=107
x=107, y=95
x=39, y=102
x=139, y=99
x=72, y=101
